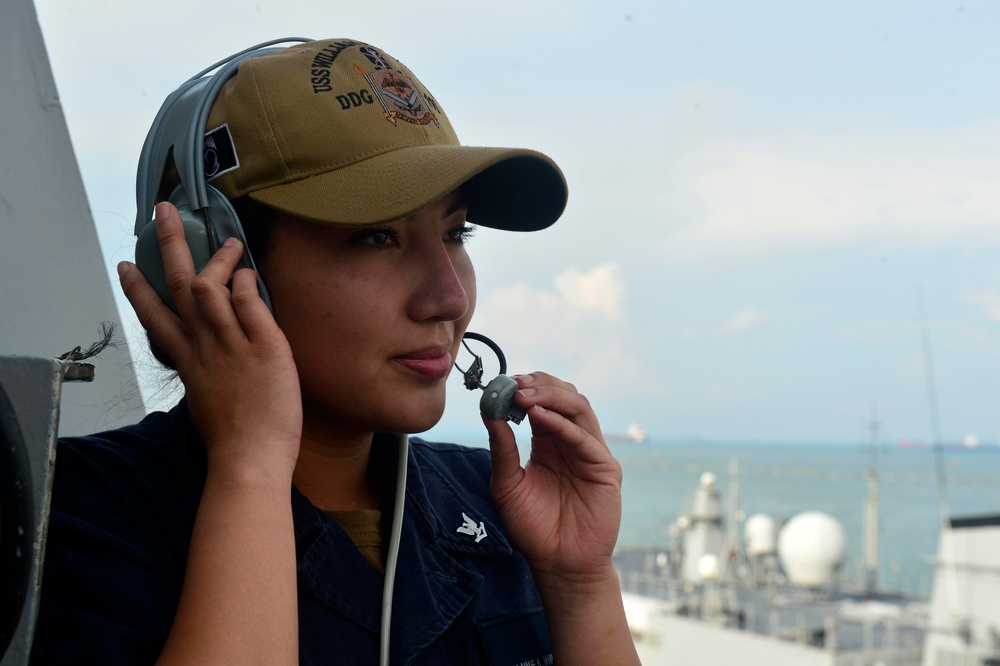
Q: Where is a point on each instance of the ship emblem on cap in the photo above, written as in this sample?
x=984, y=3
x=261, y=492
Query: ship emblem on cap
x=395, y=91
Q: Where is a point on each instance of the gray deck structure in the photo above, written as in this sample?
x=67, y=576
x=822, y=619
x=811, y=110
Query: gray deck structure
x=54, y=287
x=748, y=611
x=55, y=296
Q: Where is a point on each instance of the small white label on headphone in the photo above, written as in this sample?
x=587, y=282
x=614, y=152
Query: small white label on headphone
x=220, y=153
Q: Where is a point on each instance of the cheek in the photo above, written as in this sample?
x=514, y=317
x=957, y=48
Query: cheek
x=297, y=311
x=322, y=321
x=467, y=275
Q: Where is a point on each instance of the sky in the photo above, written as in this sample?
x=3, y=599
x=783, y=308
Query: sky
x=773, y=205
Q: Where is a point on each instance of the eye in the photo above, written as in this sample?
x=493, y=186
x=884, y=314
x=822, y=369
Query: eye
x=379, y=237
x=461, y=233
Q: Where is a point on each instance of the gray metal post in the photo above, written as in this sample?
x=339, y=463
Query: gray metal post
x=33, y=387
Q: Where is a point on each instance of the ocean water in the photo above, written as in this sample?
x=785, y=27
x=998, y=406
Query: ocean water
x=783, y=480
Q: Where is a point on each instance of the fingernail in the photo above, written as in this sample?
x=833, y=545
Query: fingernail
x=123, y=268
x=527, y=392
x=539, y=408
x=527, y=379
x=160, y=211
x=229, y=242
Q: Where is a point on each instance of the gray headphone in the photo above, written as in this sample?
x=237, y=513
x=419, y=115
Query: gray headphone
x=178, y=135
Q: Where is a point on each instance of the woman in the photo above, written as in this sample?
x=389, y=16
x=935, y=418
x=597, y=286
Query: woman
x=175, y=541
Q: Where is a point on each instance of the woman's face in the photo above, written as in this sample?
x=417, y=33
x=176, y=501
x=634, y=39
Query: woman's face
x=375, y=315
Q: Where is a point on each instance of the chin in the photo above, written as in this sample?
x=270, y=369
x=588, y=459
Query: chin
x=418, y=424
x=418, y=416
x=417, y=429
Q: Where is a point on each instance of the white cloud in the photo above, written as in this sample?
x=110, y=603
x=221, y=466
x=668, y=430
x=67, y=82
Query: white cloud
x=577, y=330
x=787, y=192
x=989, y=301
x=742, y=321
x=597, y=293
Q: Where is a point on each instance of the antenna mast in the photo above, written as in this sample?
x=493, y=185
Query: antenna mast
x=872, y=510
x=947, y=548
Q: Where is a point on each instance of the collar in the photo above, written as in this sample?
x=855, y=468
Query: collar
x=448, y=511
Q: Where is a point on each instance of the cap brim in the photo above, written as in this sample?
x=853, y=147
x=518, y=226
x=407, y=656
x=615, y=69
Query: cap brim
x=506, y=188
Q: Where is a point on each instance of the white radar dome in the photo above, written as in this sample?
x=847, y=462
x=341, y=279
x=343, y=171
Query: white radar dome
x=707, y=480
x=760, y=534
x=708, y=566
x=812, y=547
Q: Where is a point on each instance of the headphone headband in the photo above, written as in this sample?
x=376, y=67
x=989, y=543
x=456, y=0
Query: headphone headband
x=178, y=133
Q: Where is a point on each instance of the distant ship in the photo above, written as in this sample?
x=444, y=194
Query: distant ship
x=634, y=434
x=968, y=443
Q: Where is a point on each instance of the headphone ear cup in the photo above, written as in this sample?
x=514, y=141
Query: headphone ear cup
x=226, y=223
x=147, y=247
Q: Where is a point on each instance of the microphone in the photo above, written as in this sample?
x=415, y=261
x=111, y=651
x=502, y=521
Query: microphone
x=497, y=401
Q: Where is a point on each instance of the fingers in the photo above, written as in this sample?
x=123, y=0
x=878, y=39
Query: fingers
x=208, y=296
x=252, y=312
x=564, y=427
x=544, y=379
x=552, y=394
x=506, y=459
x=206, y=307
x=197, y=294
x=177, y=262
x=154, y=316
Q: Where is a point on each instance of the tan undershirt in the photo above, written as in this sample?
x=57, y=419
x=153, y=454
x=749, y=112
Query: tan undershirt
x=364, y=526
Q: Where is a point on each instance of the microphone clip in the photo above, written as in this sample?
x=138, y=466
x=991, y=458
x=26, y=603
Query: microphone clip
x=497, y=401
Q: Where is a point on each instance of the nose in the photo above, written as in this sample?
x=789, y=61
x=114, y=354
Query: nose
x=444, y=281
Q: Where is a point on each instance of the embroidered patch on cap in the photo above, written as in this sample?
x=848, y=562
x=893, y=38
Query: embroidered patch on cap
x=395, y=91
x=219, y=153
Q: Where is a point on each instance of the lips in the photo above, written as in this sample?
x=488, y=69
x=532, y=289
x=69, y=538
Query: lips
x=433, y=363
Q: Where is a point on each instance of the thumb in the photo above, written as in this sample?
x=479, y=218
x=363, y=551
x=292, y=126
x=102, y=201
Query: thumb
x=507, y=471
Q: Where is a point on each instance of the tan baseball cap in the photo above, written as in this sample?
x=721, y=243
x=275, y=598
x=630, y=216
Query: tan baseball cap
x=339, y=132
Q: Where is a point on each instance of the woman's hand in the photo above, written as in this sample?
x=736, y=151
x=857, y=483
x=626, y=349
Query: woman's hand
x=562, y=509
x=239, y=601
x=237, y=368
